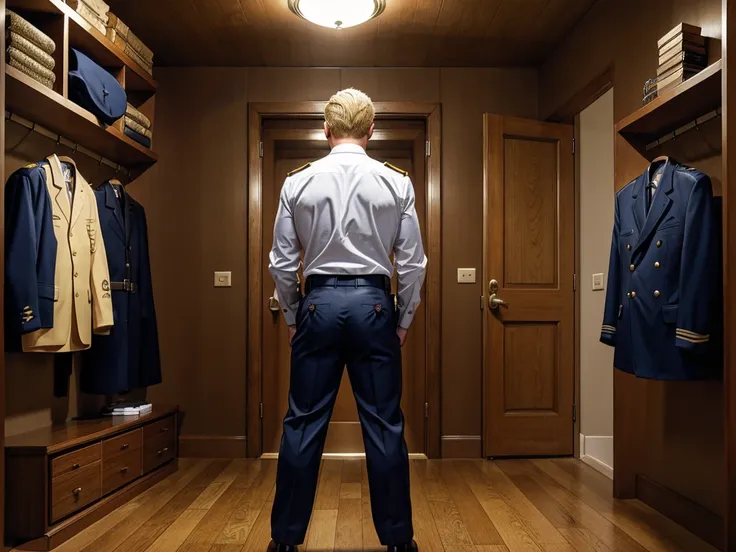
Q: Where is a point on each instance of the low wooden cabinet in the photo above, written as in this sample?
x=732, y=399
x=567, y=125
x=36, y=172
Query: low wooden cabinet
x=62, y=479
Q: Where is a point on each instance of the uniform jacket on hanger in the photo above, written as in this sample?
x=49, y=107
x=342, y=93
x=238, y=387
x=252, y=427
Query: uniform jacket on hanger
x=662, y=308
x=30, y=254
x=128, y=358
x=81, y=283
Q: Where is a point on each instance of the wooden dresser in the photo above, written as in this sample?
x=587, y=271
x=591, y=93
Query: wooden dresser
x=62, y=479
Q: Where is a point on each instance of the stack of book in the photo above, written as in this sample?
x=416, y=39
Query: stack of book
x=29, y=50
x=131, y=408
x=682, y=54
x=121, y=35
x=138, y=126
x=94, y=11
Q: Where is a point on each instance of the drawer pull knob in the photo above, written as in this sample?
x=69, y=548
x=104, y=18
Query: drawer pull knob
x=76, y=466
x=124, y=470
x=164, y=429
x=124, y=447
x=165, y=449
x=76, y=491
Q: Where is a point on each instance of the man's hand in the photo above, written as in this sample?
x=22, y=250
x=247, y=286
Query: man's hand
x=401, y=332
x=292, y=332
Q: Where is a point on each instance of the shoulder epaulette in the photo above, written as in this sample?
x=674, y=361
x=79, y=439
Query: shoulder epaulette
x=395, y=168
x=31, y=166
x=299, y=169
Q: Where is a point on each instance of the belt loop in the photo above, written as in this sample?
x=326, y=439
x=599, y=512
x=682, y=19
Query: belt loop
x=355, y=282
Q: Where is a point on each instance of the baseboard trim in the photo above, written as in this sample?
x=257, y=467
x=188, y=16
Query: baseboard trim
x=597, y=452
x=461, y=446
x=212, y=446
x=692, y=516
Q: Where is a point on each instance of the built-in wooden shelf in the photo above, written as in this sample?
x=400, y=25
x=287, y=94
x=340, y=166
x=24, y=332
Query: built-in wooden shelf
x=33, y=101
x=52, y=439
x=88, y=39
x=675, y=108
x=53, y=110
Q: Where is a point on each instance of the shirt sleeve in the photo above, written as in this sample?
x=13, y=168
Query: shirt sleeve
x=411, y=263
x=284, y=257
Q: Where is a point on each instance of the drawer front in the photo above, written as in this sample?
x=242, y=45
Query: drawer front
x=122, y=445
x=73, y=461
x=121, y=469
x=75, y=490
x=158, y=451
x=158, y=429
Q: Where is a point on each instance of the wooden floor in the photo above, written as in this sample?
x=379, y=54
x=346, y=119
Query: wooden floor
x=459, y=506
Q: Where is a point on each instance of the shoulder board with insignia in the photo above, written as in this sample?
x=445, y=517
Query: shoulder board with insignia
x=31, y=166
x=299, y=169
x=395, y=168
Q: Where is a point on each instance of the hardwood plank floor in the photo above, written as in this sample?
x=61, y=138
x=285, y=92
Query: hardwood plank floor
x=458, y=506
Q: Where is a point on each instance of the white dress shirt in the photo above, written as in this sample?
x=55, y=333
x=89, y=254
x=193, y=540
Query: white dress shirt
x=348, y=212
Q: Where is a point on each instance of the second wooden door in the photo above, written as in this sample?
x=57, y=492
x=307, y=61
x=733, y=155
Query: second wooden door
x=528, y=332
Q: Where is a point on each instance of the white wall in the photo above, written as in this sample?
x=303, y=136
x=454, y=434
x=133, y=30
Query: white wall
x=595, y=164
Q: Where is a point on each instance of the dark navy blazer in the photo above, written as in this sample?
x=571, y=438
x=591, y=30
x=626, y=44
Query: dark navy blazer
x=128, y=358
x=662, y=306
x=30, y=254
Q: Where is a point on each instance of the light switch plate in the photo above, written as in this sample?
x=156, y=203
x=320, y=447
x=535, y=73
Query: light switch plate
x=223, y=279
x=597, y=282
x=465, y=275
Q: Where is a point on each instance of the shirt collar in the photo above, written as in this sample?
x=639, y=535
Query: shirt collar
x=348, y=148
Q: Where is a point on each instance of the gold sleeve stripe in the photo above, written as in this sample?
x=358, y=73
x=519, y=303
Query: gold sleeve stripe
x=609, y=326
x=692, y=340
x=692, y=334
x=608, y=331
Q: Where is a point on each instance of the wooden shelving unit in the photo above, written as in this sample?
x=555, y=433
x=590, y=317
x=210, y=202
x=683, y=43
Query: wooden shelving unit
x=53, y=110
x=675, y=108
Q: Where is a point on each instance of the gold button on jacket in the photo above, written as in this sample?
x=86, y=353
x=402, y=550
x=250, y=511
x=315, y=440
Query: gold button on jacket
x=82, y=305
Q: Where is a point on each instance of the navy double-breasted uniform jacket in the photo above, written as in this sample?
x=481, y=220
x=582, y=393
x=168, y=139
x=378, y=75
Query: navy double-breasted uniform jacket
x=30, y=254
x=662, y=311
x=129, y=357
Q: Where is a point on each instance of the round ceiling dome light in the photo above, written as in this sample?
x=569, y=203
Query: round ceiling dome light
x=337, y=14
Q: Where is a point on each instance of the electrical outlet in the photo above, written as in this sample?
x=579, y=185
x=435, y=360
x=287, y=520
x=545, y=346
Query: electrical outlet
x=223, y=279
x=465, y=275
x=597, y=282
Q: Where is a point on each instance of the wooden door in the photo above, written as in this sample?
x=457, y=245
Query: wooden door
x=528, y=264
x=287, y=145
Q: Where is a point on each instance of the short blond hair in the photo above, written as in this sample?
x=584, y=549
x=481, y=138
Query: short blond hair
x=349, y=114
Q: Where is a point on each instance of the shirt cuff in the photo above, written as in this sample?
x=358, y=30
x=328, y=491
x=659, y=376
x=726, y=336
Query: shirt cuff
x=406, y=318
x=290, y=314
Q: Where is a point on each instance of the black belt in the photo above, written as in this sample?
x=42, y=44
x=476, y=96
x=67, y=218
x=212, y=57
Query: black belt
x=125, y=285
x=373, y=280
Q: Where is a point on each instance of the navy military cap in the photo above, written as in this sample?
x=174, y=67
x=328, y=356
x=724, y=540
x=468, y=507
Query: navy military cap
x=96, y=90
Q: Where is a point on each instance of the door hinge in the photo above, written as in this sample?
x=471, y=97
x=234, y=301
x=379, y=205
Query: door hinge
x=573, y=145
x=574, y=413
x=260, y=410
x=574, y=282
x=428, y=148
x=426, y=410
x=260, y=149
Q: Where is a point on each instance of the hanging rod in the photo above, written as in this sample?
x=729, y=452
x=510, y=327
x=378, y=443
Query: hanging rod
x=59, y=139
x=685, y=128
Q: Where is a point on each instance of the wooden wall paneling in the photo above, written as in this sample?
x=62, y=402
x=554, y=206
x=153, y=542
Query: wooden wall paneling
x=653, y=437
x=729, y=265
x=2, y=283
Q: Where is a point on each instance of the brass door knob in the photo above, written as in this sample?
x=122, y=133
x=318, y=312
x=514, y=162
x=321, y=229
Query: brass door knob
x=494, y=302
x=273, y=305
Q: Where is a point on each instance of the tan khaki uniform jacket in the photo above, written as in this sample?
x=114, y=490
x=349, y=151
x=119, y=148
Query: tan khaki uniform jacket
x=82, y=301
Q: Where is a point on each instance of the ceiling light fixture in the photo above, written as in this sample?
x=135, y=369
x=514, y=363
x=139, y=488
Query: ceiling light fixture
x=337, y=14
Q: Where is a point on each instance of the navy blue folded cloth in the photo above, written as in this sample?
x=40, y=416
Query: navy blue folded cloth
x=95, y=89
x=138, y=137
